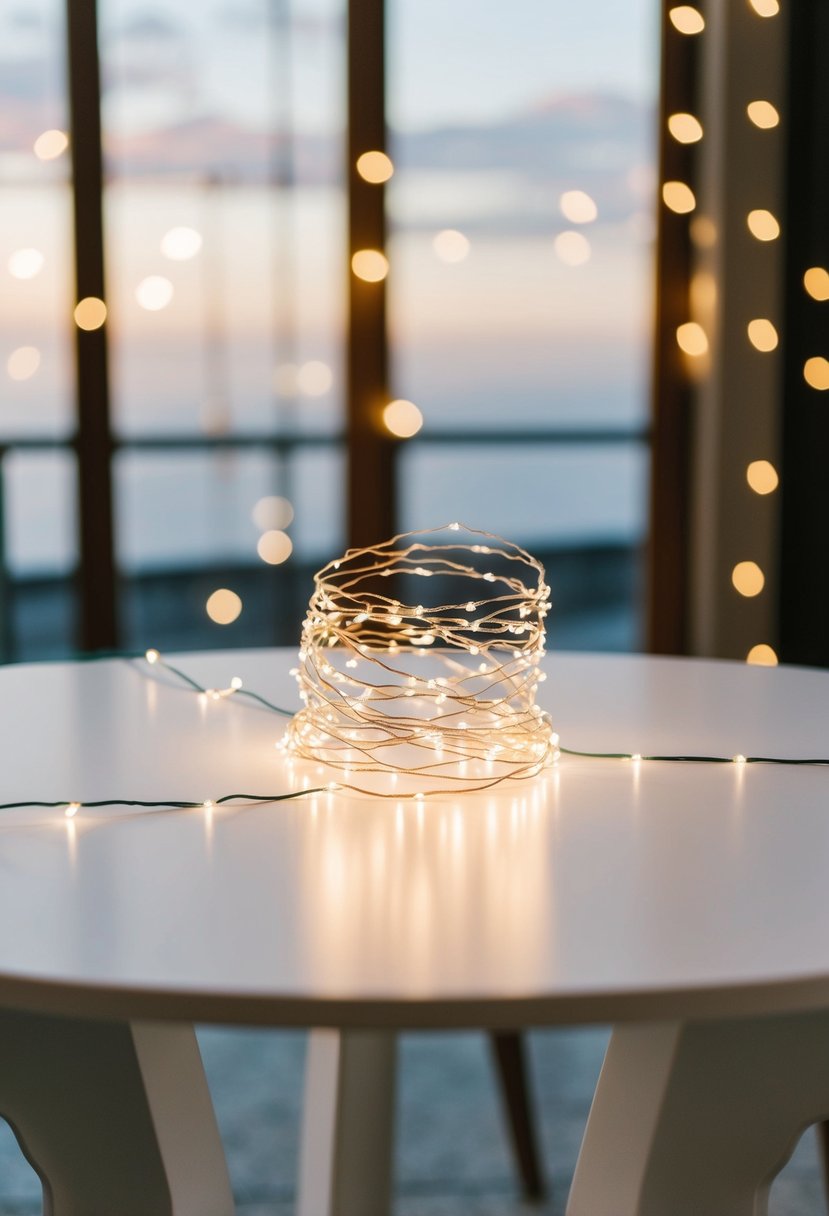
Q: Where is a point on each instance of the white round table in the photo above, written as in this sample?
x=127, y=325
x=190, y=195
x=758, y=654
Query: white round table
x=686, y=903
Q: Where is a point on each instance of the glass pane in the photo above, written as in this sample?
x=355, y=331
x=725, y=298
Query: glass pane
x=581, y=509
x=225, y=217
x=41, y=554
x=521, y=213
x=247, y=521
x=35, y=236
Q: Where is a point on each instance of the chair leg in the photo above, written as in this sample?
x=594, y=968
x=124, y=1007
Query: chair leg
x=508, y=1051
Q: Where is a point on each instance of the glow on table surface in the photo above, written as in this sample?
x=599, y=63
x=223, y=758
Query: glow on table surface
x=601, y=890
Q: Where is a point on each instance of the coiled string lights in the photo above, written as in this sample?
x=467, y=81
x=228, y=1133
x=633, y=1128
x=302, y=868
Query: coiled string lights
x=432, y=695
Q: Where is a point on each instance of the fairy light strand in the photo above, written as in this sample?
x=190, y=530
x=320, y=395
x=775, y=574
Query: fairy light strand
x=439, y=693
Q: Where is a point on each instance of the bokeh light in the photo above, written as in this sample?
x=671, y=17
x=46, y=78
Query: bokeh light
x=51, y=144
x=685, y=128
x=223, y=606
x=686, y=19
x=181, y=244
x=572, y=248
x=90, y=313
x=272, y=512
x=578, y=207
x=25, y=263
x=816, y=282
x=765, y=8
x=678, y=197
x=375, y=167
x=23, y=362
x=816, y=372
x=274, y=547
x=761, y=334
x=402, y=418
x=763, y=114
x=763, y=225
x=692, y=339
x=154, y=293
x=762, y=655
x=314, y=378
x=761, y=475
x=748, y=579
x=370, y=265
x=450, y=245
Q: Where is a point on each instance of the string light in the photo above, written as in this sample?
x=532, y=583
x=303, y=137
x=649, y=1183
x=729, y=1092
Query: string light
x=762, y=476
x=748, y=579
x=816, y=282
x=51, y=144
x=763, y=225
x=223, y=606
x=691, y=339
x=816, y=373
x=181, y=244
x=678, y=197
x=763, y=114
x=761, y=655
x=685, y=128
x=402, y=418
x=765, y=8
x=154, y=293
x=415, y=706
x=686, y=19
x=762, y=334
x=578, y=207
x=374, y=167
x=90, y=313
x=370, y=265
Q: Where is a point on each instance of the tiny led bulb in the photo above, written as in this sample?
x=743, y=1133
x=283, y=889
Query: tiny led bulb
x=236, y=683
x=738, y=759
x=152, y=656
x=72, y=810
x=636, y=756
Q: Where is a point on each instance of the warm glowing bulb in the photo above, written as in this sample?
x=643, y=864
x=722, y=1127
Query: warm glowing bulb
x=816, y=282
x=72, y=810
x=762, y=335
x=152, y=656
x=374, y=167
x=816, y=372
x=578, y=207
x=685, y=128
x=370, y=265
x=765, y=8
x=181, y=244
x=761, y=475
x=236, y=683
x=272, y=512
x=450, y=245
x=223, y=606
x=51, y=144
x=274, y=547
x=687, y=19
x=402, y=418
x=691, y=338
x=154, y=293
x=763, y=225
x=739, y=758
x=762, y=655
x=763, y=114
x=678, y=197
x=25, y=263
x=23, y=363
x=572, y=248
x=90, y=313
x=748, y=578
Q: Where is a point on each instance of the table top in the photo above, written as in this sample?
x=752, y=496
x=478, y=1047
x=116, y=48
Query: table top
x=602, y=890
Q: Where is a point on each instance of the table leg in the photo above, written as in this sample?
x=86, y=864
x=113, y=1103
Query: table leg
x=347, y=1124
x=697, y=1119
x=114, y=1117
